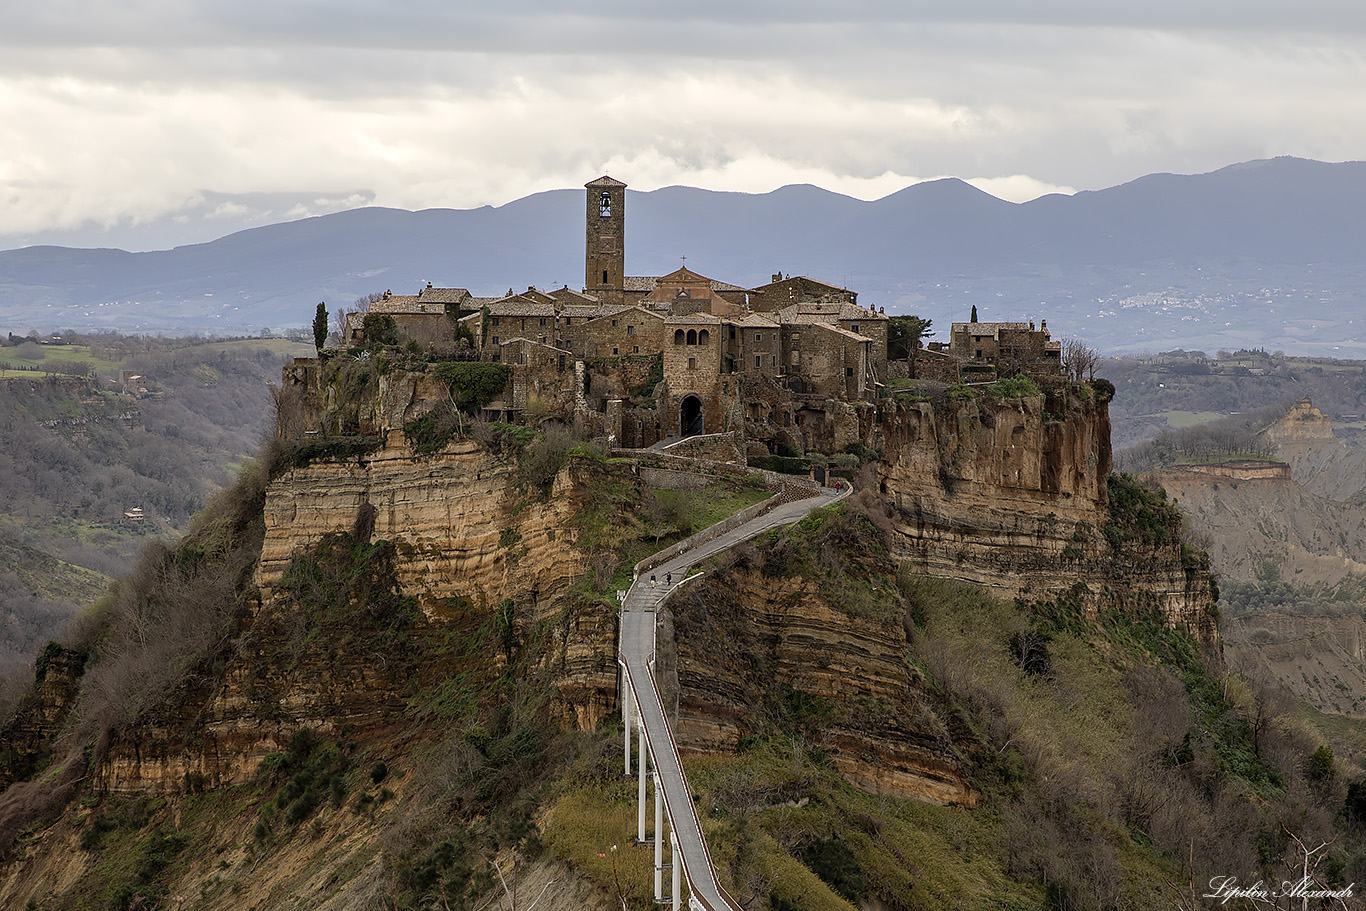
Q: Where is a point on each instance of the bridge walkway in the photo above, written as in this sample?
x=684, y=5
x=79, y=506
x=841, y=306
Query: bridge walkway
x=637, y=651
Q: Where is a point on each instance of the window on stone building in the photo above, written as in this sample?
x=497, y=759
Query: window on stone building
x=678, y=336
x=758, y=336
x=543, y=322
x=630, y=330
x=495, y=339
x=614, y=350
x=703, y=337
x=605, y=205
x=635, y=349
x=848, y=371
x=853, y=327
x=775, y=361
x=495, y=321
x=604, y=276
x=614, y=324
x=692, y=336
x=692, y=363
x=758, y=361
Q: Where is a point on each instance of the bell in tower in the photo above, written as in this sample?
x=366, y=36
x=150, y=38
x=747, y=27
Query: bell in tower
x=604, y=242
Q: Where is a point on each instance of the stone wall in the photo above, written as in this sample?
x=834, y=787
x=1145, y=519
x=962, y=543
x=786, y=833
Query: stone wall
x=719, y=447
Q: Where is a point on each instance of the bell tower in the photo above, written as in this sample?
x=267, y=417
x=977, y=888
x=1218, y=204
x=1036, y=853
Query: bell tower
x=604, y=254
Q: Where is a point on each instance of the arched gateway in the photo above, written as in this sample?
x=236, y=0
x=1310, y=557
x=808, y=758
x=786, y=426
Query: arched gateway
x=690, y=416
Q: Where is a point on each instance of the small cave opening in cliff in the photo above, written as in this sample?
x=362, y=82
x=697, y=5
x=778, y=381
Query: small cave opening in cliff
x=690, y=416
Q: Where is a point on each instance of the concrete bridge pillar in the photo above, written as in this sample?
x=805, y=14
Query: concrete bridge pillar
x=659, y=838
x=640, y=794
x=675, y=869
x=626, y=717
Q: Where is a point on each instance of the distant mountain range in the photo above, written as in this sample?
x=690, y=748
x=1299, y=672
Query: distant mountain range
x=1261, y=254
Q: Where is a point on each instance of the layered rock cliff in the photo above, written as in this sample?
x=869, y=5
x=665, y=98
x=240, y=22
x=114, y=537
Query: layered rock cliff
x=756, y=651
x=453, y=535
x=1010, y=493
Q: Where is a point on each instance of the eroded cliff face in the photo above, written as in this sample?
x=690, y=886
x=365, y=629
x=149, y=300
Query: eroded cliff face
x=1010, y=493
x=755, y=650
x=475, y=550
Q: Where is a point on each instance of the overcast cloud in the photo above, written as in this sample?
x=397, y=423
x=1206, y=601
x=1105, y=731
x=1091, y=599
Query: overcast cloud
x=115, y=114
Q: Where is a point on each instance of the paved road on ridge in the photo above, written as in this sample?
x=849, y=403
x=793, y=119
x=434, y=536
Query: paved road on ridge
x=637, y=651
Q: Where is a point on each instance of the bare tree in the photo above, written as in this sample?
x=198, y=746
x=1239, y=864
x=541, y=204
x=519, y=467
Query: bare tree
x=1079, y=360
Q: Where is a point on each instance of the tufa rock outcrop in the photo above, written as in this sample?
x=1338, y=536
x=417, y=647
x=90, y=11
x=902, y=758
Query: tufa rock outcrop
x=1011, y=494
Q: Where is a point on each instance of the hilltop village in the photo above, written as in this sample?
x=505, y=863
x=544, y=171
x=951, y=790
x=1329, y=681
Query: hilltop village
x=641, y=359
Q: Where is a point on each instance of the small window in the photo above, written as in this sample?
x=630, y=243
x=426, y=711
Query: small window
x=678, y=336
x=495, y=320
x=703, y=337
x=692, y=363
x=495, y=340
x=614, y=324
x=758, y=336
x=614, y=350
x=692, y=336
x=630, y=330
x=848, y=371
x=640, y=425
x=605, y=210
x=543, y=322
x=635, y=349
x=497, y=357
x=853, y=327
x=604, y=276
x=775, y=361
x=758, y=361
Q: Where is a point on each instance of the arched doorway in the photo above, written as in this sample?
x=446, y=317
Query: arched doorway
x=689, y=416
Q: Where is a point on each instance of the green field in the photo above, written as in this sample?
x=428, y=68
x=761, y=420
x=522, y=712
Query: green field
x=54, y=355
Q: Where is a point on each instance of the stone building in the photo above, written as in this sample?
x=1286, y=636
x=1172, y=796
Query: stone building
x=995, y=348
x=641, y=358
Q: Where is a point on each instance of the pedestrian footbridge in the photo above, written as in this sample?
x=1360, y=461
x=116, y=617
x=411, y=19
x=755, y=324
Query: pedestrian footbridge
x=656, y=764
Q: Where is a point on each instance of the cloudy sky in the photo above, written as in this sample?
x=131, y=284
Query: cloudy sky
x=132, y=122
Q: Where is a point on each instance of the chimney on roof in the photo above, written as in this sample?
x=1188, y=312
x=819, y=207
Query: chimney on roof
x=777, y=276
x=429, y=284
